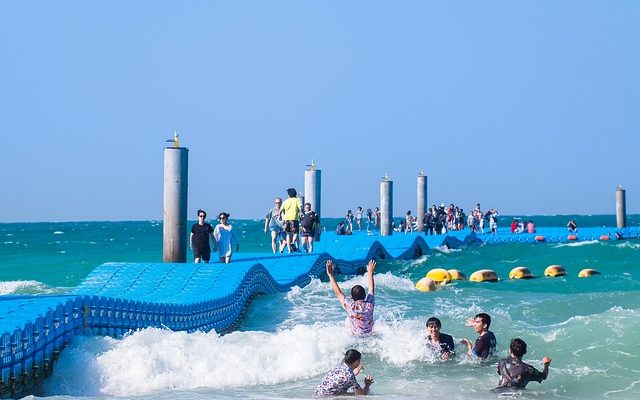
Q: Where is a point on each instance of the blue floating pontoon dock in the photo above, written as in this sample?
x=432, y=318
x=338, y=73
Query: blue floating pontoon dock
x=119, y=297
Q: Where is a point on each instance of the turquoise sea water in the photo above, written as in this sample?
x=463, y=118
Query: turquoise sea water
x=589, y=327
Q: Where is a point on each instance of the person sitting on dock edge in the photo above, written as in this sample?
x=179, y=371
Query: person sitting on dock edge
x=360, y=307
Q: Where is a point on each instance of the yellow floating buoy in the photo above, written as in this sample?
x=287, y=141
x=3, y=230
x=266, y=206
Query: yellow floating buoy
x=604, y=237
x=555, y=270
x=457, y=275
x=572, y=237
x=588, y=272
x=539, y=238
x=439, y=275
x=426, y=285
x=520, y=273
x=484, y=275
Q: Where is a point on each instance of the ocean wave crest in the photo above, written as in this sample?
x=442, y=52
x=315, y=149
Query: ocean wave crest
x=576, y=244
x=26, y=287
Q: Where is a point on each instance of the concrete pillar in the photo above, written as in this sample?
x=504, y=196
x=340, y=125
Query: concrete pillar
x=174, y=228
x=421, y=208
x=621, y=207
x=386, y=206
x=312, y=192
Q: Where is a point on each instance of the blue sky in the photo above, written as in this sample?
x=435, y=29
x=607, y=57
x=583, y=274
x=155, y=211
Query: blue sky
x=527, y=107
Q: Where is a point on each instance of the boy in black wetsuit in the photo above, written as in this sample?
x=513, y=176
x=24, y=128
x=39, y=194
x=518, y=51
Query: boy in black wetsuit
x=442, y=342
x=485, y=344
x=515, y=374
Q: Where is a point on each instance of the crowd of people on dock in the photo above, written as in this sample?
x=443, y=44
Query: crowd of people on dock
x=293, y=226
x=514, y=373
x=288, y=220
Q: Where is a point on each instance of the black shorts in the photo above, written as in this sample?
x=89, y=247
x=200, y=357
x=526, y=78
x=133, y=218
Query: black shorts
x=306, y=233
x=204, y=253
x=291, y=226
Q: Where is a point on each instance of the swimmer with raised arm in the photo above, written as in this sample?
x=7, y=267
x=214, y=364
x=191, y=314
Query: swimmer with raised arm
x=360, y=307
x=514, y=373
x=486, y=342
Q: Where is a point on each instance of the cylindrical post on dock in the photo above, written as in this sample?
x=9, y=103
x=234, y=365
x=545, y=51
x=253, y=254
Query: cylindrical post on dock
x=386, y=206
x=422, y=200
x=312, y=191
x=621, y=207
x=174, y=229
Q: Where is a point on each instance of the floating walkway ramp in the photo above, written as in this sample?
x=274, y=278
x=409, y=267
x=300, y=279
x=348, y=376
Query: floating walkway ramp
x=119, y=297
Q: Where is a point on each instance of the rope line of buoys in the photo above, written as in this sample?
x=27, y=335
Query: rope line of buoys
x=441, y=276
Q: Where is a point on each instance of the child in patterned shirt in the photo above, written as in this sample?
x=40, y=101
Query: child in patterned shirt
x=360, y=307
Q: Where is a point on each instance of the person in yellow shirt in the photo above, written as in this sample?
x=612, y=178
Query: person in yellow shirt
x=291, y=209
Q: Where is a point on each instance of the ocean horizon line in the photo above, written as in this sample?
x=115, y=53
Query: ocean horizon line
x=153, y=220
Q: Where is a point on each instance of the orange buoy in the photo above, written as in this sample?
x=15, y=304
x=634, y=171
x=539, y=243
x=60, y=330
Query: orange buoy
x=520, y=273
x=539, y=238
x=588, y=272
x=555, y=270
x=439, y=275
x=457, y=275
x=572, y=237
x=604, y=237
x=426, y=285
x=484, y=275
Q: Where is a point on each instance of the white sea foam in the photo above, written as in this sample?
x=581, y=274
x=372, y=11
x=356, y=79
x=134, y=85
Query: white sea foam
x=22, y=287
x=154, y=360
x=576, y=244
x=617, y=393
x=446, y=250
x=58, y=233
x=628, y=245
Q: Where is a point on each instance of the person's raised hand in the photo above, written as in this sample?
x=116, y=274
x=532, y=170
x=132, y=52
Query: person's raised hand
x=368, y=380
x=329, y=265
x=546, y=360
x=371, y=266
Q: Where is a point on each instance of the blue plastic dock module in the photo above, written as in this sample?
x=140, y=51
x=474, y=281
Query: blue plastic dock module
x=119, y=297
